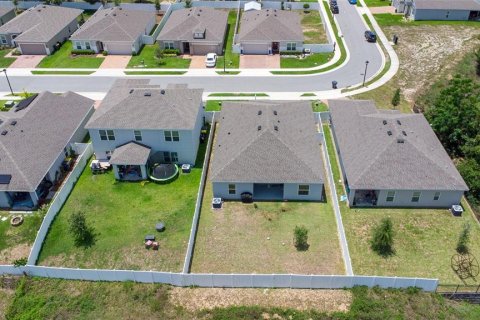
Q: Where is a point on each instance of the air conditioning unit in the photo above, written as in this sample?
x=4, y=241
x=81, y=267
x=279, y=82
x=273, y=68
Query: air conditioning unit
x=307, y=51
x=217, y=203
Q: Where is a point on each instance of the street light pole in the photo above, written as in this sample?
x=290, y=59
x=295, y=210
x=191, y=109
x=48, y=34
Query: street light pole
x=9, y=85
x=365, y=74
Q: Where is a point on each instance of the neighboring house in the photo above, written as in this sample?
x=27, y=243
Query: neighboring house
x=115, y=30
x=6, y=14
x=268, y=149
x=137, y=120
x=270, y=31
x=392, y=159
x=36, y=137
x=37, y=30
x=439, y=9
x=195, y=31
x=252, y=5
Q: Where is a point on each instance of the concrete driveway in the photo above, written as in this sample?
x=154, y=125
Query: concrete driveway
x=198, y=62
x=115, y=62
x=260, y=61
x=27, y=61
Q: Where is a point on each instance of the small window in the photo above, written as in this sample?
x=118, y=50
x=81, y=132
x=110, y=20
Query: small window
x=232, y=189
x=87, y=45
x=168, y=45
x=168, y=135
x=110, y=135
x=138, y=135
x=291, y=46
x=166, y=157
x=3, y=39
x=174, y=156
x=390, y=196
x=436, y=196
x=303, y=190
x=78, y=45
x=175, y=136
x=416, y=196
x=103, y=135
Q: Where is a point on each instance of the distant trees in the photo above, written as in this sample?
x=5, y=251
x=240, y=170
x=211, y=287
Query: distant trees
x=188, y=3
x=382, y=238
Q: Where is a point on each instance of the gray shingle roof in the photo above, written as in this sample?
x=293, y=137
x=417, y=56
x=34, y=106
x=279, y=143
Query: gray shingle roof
x=42, y=130
x=448, y=4
x=270, y=25
x=135, y=104
x=182, y=23
x=132, y=153
x=374, y=159
x=5, y=10
x=115, y=24
x=40, y=23
x=284, y=150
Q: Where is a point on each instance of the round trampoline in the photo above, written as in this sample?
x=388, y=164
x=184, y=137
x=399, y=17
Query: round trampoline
x=163, y=172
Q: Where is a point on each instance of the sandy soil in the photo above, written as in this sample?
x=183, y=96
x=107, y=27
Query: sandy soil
x=7, y=256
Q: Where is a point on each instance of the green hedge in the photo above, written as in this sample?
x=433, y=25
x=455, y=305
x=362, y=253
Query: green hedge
x=175, y=52
x=290, y=53
x=83, y=52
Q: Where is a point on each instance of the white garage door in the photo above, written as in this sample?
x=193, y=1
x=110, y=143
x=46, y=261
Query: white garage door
x=199, y=50
x=32, y=48
x=118, y=48
x=257, y=48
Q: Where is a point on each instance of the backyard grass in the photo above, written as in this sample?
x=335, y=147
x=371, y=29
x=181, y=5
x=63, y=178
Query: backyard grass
x=63, y=72
x=62, y=58
x=5, y=62
x=213, y=105
x=2, y=105
x=15, y=242
x=227, y=73
x=146, y=59
x=312, y=27
x=233, y=59
x=376, y=3
x=424, y=240
x=258, y=238
x=310, y=61
x=390, y=19
x=122, y=214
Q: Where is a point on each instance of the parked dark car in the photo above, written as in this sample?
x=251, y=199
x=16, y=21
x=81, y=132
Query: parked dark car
x=370, y=36
x=333, y=3
x=334, y=9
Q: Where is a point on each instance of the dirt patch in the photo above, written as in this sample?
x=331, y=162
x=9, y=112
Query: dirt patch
x=209, y=298
x=386, y=9
x=7, y=256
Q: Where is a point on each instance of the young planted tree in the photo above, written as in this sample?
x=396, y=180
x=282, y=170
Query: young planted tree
x=116, y=3
x=301, y=238
x=463, y=239
x=382, y=238
x=188, y=3
x=157, y=5
x=396, y=98
x=83, y=234
x=306, y=6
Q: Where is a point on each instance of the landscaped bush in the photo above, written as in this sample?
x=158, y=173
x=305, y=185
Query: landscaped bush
x=171, y=52
x=105, y=52
x=301, y=238
x=462, y=244
x=83, y=52
x=382, y=238
x=16, y=53
x=83, y=234
x=290, y=53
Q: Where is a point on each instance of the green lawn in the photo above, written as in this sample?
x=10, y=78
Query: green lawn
x=231, y=94
x=147, y=56
x=63, y=72
x=424, y=240
x=389, y=19
x=62, y=58
x=15, y=242
x=122, y=214
x=213, y=105
x=2, y=105
x=313, y=60
x=318, y=106
x=233, y=59
x=312, y=26
x=85, y=16
x=5, y=62
x=376, y=3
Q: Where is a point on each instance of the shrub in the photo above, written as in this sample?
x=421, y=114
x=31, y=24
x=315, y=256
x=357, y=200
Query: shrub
x=463, y=239
x=188, y=4
x=83, y=52
x=290, y=53
x=105, y=52
x=396, y=98
x=20, y=262
x=301, y=238
x=159, y=53
x=175, y=52
x=83, y=234
x=134, y=53
x=382, y=238
x=16, y=53
x=306, y=6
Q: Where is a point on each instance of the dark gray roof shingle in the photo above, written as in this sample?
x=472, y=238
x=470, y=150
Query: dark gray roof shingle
x=182, y=23
x=41, y=132
x=135, y=104
x=132, y=153
x=115, y=24
x=267, y=148
x=270, y=25
x=402, y=154
x=40, y=23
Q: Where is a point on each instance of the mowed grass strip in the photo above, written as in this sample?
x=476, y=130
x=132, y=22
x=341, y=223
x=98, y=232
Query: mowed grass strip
x=122, y=213
x=424, y=241
x=62, y=58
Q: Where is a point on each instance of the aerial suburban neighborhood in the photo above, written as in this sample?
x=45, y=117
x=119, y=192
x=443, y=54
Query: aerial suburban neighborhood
x=207, y=159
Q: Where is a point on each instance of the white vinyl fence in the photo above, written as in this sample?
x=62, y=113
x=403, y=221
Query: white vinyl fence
x=60, y=198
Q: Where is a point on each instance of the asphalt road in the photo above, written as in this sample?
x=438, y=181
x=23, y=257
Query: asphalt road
x=351, y=26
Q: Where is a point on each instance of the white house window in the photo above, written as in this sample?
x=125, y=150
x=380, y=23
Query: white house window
x=78, y=45
x=87, y=45
x=390, y=196
x=168, y=45
x=171, y=136
x=107, y=135
x=232, y=189
x=138, y=135
x=3, y=39
x=303, y=189
x=436, y=196
x=174, y=156
x=416, y=196
x=291, y=46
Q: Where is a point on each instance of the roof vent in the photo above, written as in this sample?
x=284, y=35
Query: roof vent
x=399, y=123
x=258, y=128
x=259, y=112
x=198, y=14
x=147, y=94
x=384, y=122
x=162, y=91
x=275, y=112
x=14, y=122
x=404, y=133
x=275, y=127
x=4, y=132
x=389, y=132
x=400, y=140
x=131, y=91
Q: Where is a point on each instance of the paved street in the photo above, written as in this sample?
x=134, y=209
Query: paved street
x=351, y=26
